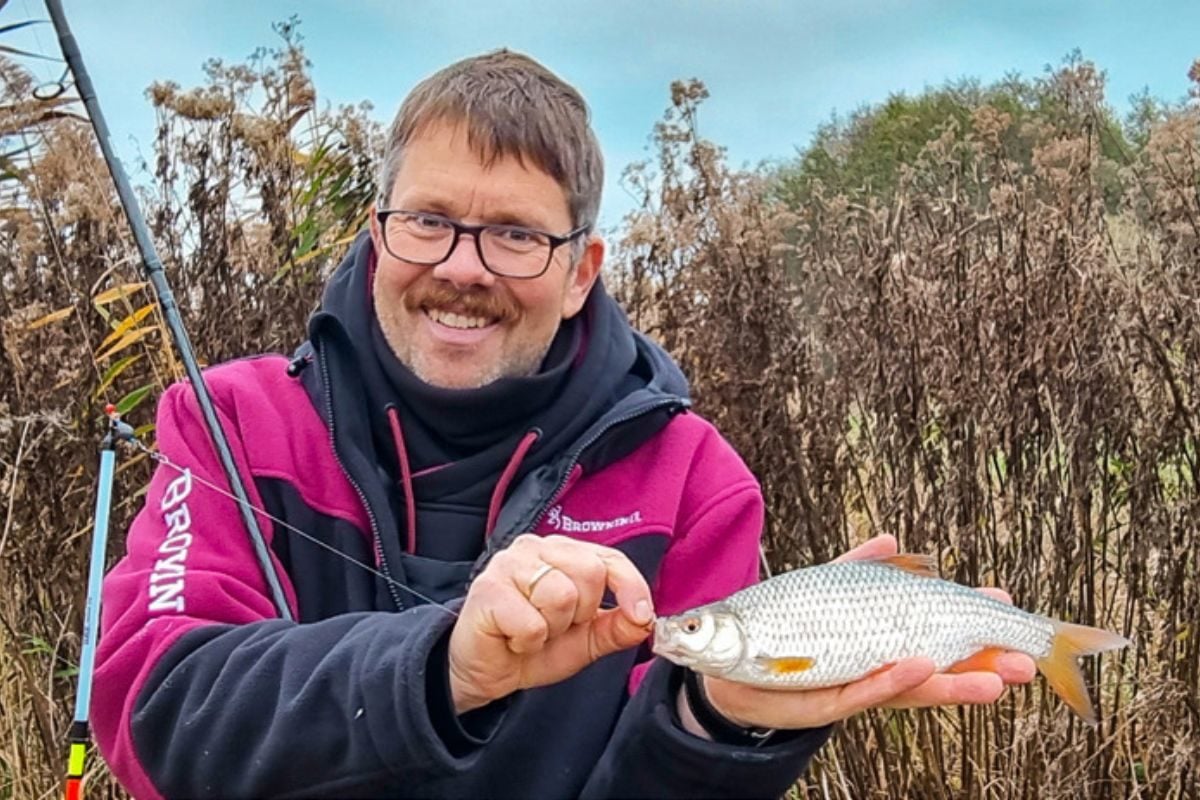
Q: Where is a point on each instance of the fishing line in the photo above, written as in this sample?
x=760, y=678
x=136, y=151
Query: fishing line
x=46, y=89
x=164, y=460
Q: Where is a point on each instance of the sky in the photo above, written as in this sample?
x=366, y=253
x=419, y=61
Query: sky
x=776, y=69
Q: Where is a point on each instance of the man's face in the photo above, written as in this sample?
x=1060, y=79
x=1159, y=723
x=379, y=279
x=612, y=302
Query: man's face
x=456, y=325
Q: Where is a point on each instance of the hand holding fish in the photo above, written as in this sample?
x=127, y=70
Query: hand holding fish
x=533, y=617
x=818, y=645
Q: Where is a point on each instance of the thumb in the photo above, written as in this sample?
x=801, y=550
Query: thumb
x=879, y=546
x=613, y=631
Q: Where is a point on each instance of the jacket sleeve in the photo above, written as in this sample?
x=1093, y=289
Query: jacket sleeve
x=713, y=554
x=651, y=755
x=201, y=691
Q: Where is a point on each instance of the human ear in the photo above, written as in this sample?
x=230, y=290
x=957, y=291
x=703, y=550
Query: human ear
x=582, y=276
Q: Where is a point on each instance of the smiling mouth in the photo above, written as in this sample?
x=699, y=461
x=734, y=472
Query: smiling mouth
x=462, y=322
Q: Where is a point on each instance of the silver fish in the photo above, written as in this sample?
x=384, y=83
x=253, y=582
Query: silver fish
x=835, y=623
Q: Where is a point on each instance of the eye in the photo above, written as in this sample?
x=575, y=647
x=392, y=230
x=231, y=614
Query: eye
x=517, y=239
x=517, y=235
x=423, y=223
x=691, y=625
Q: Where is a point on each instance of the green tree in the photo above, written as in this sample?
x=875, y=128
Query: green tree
x=863, y=154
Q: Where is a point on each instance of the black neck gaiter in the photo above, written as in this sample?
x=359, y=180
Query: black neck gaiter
x=442, y=426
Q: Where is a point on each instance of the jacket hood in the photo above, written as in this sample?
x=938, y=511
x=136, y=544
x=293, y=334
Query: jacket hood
x=618, y=389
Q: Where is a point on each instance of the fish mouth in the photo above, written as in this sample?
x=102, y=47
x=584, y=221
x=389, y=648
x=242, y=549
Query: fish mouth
x=674, y=655
x=661, y=636
x=665, y=647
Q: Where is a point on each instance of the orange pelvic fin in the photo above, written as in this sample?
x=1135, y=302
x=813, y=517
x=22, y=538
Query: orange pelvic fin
x=986, y=660
x=916, y=563
x=1063, y=673
x=786, y=665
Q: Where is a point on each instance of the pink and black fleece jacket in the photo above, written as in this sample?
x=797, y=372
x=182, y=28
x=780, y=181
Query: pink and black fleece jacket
x=202, y=691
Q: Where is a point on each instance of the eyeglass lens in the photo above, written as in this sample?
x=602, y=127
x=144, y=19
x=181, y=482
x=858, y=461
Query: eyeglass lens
x=506, y=250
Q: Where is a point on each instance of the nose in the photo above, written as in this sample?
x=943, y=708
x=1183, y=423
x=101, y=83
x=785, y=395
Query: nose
x=463, y=267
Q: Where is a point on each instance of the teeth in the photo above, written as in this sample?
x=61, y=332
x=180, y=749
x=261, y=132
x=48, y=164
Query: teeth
x=451, y=320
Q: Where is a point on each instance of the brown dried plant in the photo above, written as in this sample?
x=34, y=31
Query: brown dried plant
x=992, y=364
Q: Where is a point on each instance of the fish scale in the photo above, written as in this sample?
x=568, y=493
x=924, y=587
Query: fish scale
x=836, y=623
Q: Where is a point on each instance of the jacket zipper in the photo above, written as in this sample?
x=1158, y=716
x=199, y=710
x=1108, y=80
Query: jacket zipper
x=376, y=539
x=591, y=440
x=496, y=546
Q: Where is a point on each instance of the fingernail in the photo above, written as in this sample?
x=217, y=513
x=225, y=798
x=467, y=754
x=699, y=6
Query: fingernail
x=642, y=613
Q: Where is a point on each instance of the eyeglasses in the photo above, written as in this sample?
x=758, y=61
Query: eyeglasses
x=509, y=251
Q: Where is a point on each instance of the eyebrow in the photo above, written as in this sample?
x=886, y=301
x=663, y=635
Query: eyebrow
x=514, y=220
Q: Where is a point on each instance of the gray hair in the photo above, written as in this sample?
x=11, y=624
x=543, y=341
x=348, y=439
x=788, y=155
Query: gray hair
x=512, y=107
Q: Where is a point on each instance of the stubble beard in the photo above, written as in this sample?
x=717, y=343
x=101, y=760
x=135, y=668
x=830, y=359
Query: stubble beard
x=521, y=363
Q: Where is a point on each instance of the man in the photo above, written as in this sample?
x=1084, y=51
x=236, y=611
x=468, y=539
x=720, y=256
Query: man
x=472, y=418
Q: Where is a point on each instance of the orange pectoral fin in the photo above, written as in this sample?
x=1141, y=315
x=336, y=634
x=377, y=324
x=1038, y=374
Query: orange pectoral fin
x=786, y=665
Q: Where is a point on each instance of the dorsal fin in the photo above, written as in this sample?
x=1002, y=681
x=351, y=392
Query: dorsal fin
x=915, y=563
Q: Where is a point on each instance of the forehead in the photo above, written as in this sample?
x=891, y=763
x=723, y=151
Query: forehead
x=444, y=172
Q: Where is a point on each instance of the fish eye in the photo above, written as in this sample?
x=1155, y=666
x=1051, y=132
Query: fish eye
x=691, y=625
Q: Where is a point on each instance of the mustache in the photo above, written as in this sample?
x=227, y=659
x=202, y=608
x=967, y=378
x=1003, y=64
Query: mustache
x=473, y=302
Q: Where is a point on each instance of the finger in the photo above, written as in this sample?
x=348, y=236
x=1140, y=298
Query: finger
x=996, y=594
x=582, y=564
x=504, y=593
x=814, y=707
x=523, y=627
x=970, y=688
x=592, y=568
x=612, y=631
x=556, y=597
x=880, y=546
x=1011, y=667
x=549, y=577
x=563, y=656
x=591, y=594
x=1016, y=668
x=629, y=586
x=881, y=687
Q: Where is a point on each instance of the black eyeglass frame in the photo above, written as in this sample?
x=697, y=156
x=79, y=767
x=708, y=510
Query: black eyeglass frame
x=473, y=231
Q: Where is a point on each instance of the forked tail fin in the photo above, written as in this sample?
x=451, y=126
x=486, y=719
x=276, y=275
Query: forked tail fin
x=1061, y=669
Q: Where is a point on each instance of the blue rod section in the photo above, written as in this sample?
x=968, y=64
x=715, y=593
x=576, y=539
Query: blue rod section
x=91, y=611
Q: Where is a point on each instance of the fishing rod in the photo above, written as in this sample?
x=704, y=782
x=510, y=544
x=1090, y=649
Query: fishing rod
x=118, y=431
x=153, y=268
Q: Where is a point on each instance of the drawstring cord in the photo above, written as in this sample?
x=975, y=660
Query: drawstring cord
x=410, y=503
x=506, y=477
x=406, y=479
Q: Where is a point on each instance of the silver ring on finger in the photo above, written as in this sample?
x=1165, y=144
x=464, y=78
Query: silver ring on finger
x=541, y=572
